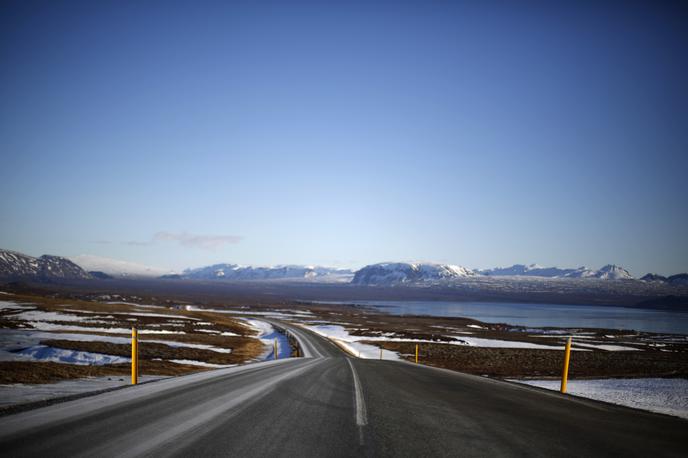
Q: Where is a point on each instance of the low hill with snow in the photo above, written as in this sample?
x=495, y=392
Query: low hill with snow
x=612, y=272
x=391, y=273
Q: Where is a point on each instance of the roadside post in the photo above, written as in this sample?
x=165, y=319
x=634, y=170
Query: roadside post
x=416, y=353
x=134, y=356
x=275, y=351
x=380, y=353
x=565, y=372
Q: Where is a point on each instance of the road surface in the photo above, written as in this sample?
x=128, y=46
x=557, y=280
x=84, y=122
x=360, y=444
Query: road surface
x=328, y=404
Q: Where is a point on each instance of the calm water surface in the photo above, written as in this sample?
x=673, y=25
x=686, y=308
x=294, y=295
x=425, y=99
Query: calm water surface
x=540, y=315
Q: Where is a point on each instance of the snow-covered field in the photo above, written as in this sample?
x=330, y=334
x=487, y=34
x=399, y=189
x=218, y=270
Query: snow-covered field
x=668, y=396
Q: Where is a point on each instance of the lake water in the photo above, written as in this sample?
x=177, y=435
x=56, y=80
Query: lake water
x=541, y=315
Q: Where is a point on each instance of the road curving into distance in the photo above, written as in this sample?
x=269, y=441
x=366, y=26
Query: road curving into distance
x=330, y=404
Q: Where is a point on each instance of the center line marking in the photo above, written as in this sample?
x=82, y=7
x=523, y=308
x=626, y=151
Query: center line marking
x=361, y=417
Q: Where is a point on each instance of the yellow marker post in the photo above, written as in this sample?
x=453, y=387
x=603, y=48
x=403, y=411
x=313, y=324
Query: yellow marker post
x=565, y=373
x=134, y=356
x=416, y=353
x=275, y=352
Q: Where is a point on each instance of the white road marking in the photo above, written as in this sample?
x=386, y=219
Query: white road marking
x=361, y=415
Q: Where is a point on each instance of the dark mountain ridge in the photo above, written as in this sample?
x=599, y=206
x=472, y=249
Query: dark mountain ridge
x=19, y=266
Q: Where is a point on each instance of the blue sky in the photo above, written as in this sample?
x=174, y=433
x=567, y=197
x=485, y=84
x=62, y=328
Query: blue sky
x=182, y=134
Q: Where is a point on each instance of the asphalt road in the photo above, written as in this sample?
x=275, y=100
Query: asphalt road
x=329, y=404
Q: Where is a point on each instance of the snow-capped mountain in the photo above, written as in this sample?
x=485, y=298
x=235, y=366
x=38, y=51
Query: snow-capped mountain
x=283, y=272
x=608, y=272
x=116, y=267
x=390, y=273
x=14, y=265
x=613, y=272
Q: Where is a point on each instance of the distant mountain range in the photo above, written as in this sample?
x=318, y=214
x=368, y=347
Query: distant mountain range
x=608, y=272
x=14, y=265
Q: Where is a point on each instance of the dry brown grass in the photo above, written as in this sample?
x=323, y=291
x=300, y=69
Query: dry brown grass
x=148, y=350
x=48, y=372
x=520, y=362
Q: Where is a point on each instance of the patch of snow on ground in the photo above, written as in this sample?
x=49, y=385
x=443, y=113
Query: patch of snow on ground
x=5, y=305
x=40, y=315
x=59, y=355
x=146, y=306
x=188, y=345
x=192, y=362
x=163, y=315
x=12, y=341
x=346, y=340
x=493, y=343
x=340, y=334
x=155, y=331
x=267, y=334
x=263, y=328
x=669, y=396
x=44, y=326
x=607, y=347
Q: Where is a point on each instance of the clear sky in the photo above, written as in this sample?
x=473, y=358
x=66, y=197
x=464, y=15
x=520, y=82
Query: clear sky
x=345, y=133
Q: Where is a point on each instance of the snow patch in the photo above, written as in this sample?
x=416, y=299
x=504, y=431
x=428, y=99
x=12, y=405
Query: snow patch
x=267, y=334
x=5, y=305
x=40, y=315
x=59, y=355
x=668, y=396
x=163, y=315
x=607, y=347
x=351, y=343
x=192, y=362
